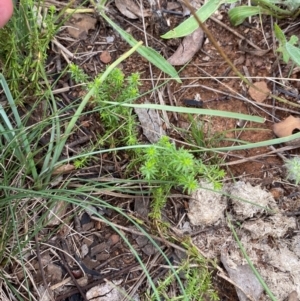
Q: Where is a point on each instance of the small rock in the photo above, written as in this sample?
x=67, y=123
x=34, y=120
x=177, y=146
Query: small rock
x=105, y=57
x=115, y=238
x=277, y=192
x=244, y=277
x=149, y=249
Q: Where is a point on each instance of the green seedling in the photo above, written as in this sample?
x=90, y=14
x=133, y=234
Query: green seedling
x=191, y=24
x=293, y=169
x=23, y=48
x=237, y=15
x=196, y=278
x=120, y=125
x=174, y=167
x=287, y=48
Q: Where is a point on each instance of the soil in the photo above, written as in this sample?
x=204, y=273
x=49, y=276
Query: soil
x=207, y=75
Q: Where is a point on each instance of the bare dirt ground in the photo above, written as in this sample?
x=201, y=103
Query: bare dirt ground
x=209, y=76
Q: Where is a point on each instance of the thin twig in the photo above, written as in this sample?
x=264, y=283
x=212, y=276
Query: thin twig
x=65, y=264
x=274, y=151
x=38, y=254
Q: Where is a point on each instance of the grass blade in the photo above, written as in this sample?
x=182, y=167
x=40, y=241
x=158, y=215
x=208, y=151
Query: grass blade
x=190, y=25
x=192, y=111
x=256, y=273
x=150, y=54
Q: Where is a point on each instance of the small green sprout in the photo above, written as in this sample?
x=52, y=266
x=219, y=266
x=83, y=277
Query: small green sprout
x=293, y=169
x=174, y=167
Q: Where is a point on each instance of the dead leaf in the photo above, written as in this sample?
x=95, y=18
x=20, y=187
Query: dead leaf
x=105, y=57
x=257, y=95
x=80, y=25
x=173, y=5
x=151, y=124
x=45, y=293
x=54, y=272
x=188, y=48
x=130, y=10
x=293, y=296
x=106, y=292
x=56, y=214
x=244, y=277
x=63, y=168
x=287, y=127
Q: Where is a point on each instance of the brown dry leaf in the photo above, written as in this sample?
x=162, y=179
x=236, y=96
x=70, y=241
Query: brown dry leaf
x=244, y=277
x=105, y=57
x=286, y=128
x=173, y=5
x=80, y=25
x=54, y=272
x=257, y=95
x=130, y=10
x=293, y=296
x=106, y=292
x=56, y=214
x=188, y=48
x=151, y=124
x=63, y=168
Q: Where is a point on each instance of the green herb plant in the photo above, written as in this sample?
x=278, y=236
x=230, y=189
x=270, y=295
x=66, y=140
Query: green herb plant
x=293, y=169
x=174, y=167
x=196, y=277
x=119, y=122
x=23, y=48
x=274, y=8
x=288, y=49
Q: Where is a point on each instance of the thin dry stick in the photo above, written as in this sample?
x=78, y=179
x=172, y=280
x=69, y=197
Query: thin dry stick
x=274, y=151
x=38, y=254
x=65, y=264
x=141, y=279
x=228, y=61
